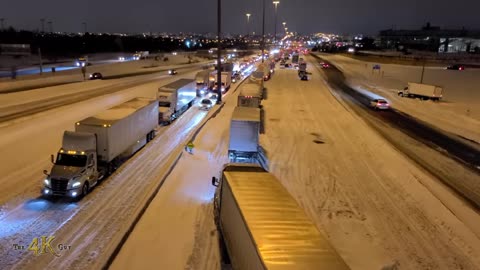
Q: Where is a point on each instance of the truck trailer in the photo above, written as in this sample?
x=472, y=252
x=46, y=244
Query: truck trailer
x=250, y=95
x=423, y=91
x=245, y=127
x=174, y=99
x=98, y=145
x=226, y=77
x=261, y=226
x=203, y=82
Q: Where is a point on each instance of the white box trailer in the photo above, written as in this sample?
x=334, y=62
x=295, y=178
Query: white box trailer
x=175, y=98
x=423, y=91
x=261, y=225
x=257, y=77
x=250, y=95
x=244, y=129
x=98, y=145
x=119, y=128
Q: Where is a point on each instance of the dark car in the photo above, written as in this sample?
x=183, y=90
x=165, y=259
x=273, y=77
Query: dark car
x=456, y=67
x=96, y=76
x=172, y=72
x=325, y=65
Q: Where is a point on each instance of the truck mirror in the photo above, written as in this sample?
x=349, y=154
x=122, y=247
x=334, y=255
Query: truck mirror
x=45, y=172
x=51, y=158
x=214, y=181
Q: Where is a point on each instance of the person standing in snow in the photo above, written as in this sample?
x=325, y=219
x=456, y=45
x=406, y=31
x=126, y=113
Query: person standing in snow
x=189, y=147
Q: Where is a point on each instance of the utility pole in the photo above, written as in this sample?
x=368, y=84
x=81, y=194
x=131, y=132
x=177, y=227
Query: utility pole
x=1, y=21
x=275, y=35
x=219, y=53
x=42, y=21
x=84, y=27
x=263, y=32
x=41, y=63
x=423, y=70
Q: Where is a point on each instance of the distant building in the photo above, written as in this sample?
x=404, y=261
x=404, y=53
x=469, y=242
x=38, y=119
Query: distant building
x=432, y=38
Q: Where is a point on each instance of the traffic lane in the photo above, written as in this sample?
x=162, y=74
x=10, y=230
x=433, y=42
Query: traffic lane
x=454, y=163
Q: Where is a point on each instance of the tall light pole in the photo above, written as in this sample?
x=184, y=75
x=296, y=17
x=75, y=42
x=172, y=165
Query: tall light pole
x=248, y=23
x=1, y=20
x=263, y=32
x=84, y=27
x=219, y=54
x=42, y=21
x=275, y=35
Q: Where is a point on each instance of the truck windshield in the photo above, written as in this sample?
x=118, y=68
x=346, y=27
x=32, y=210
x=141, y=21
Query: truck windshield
x=164, y=104
x=71, y=160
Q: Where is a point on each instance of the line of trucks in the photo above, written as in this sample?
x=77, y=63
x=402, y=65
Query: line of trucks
x=100, y=143
x=259, y=223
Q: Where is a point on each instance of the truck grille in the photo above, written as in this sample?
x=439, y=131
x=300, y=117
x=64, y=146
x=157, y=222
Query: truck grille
x=59, y=186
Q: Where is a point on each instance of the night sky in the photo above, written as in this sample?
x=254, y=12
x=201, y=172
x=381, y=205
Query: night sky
x=304, y=16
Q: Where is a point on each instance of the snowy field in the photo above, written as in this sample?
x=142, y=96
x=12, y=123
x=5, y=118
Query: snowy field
x=373, y=205
x=458, y=112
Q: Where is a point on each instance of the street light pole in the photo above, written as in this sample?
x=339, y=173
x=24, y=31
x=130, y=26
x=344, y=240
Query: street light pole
x=275, y=35
x=1, y=20
x=219, y=54
x=248, y=23
x=263, y=32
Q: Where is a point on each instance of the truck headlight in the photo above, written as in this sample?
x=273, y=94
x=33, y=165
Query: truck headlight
x=76, y=184
x=47, y=182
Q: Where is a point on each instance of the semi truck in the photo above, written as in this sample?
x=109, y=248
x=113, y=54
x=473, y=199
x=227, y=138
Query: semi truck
x=174, y=99
x=422, y=91
x=203, y=82
x=98, y=145
x=261, y=226
x=226, y=81
x=250, y=95
x=244, y=144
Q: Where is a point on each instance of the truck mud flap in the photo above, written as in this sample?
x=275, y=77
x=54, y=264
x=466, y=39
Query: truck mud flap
x=262, y=157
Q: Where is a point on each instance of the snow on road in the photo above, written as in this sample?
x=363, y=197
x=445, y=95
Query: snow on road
x=364, y=195
x=95, y=225
x=178, y=226
x=109, y=69
x=459, y=111
x=29, y=143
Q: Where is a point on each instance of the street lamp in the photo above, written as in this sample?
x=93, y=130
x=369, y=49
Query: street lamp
x=248, y=22
x=275, y=35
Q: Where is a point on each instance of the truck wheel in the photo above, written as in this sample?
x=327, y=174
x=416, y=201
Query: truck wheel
x=85, y=189
x=400, y=94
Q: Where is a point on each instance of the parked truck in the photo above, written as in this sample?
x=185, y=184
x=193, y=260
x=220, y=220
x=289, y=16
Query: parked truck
x=261, y=226
x=423, y=91
x=226, y=81
x=98, y=145
x=174, y=99
x=244, y=144
x=250, y=95
x=203, y=82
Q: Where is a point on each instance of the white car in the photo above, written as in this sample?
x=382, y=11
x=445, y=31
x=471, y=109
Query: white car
x=379, y=104
x=206, y=104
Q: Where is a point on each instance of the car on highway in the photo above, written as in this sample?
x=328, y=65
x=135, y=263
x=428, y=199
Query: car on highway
x=379, y=104
x=236, y=77
x=172, y=72
x=96, y=76
x=325, y=65
x=456, y=67
x=214, y=98
x=206, y=104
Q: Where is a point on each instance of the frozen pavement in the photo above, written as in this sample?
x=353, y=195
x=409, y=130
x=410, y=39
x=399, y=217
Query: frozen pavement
x=459, y=111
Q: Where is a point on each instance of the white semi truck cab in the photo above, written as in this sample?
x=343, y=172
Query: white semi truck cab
x=75, y=169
